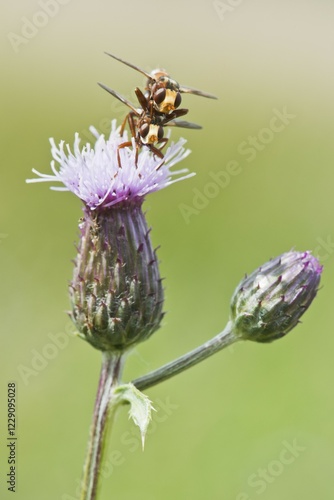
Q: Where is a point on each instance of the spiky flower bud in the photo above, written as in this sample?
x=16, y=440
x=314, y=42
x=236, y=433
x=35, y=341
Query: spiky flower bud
x=116, y=293
x=268, y=304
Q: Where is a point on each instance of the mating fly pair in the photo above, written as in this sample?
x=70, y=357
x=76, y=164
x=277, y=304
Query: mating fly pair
x=158, y=108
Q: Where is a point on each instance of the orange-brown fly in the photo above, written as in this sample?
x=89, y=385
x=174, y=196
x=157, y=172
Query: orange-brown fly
x=162, y=90
x=158, y=108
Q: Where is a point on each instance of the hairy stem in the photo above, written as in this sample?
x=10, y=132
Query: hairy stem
x=223, y=339
x=104, y=411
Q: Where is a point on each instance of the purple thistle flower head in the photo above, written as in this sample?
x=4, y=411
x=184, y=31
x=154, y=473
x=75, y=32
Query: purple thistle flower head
x=116, y=293
x=268, y=303
x=94, y=174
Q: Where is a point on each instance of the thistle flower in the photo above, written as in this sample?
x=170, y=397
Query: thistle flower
x=93, y=174
x=269, y=303
x=116, y=292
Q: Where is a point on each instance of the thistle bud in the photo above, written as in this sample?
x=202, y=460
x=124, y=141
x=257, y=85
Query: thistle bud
x=116, y=293
x=268, y=304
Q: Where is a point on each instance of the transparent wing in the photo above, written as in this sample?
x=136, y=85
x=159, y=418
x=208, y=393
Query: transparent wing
x=183, y=124
x=120, y=98
x=190, y=90
x=130, y=65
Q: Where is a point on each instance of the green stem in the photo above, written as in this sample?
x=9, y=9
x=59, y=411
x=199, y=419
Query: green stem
x=105, y=404
x=104, y=411
x=223, y=339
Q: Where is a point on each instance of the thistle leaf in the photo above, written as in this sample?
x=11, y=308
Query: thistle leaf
x=140, y=407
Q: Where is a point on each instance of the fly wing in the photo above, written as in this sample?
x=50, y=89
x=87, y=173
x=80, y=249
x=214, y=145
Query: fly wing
x=130, y=65
x=120, y=98
x=190, y=90
x=183, y=124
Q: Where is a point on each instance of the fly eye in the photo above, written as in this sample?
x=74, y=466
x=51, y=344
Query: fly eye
x=144, y=130
x=159, y=95
x=178, y=100
x=160, y=133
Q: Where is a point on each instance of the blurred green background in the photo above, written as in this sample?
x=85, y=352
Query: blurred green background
x=224, y=428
